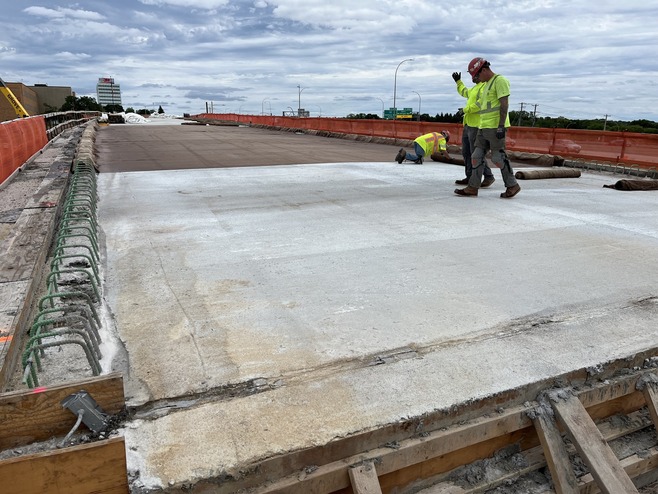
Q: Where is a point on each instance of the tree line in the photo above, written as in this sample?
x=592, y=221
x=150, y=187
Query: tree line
x=527, y=119
x=87, y=103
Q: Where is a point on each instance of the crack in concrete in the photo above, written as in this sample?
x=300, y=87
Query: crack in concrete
x=156, y=409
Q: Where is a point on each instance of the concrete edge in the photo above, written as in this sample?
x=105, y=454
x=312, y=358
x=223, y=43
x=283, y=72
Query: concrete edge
x=22, y=321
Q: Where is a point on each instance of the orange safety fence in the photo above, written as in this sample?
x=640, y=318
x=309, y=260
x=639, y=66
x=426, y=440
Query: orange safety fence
x=625, y=148
x=19, y=140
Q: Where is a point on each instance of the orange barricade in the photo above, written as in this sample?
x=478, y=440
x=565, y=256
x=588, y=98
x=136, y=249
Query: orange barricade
x=626, y=148
x=19, y=140
x=6, y=153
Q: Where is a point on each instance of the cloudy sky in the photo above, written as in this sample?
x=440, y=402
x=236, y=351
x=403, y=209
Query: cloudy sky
x=578, y=59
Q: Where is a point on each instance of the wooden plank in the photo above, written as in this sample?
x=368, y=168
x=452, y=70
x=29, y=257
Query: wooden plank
x=622, y=405
x=555, y=453
x=534, y=458
x=635, y=466
x=456, y=439
x=98, y=467
x=333, y=477
x=614, y=388
x=436, y=466
x=651, y=397
x=36, y=415
x=364, y=479
x=592, y=447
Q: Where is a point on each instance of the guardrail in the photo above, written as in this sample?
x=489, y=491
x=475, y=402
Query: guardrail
x=625, y=148
x=21, y=139
x=56, y=123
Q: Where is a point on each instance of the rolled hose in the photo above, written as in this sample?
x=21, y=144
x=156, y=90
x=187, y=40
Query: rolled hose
x=552, y=173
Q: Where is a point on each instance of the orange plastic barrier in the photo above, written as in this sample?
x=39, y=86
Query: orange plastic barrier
x=19, y=140
x=625, y=148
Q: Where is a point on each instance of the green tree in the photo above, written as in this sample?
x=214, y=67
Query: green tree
x=363, y=116
x=85, y=103
x=160, y=110
x=113, y=108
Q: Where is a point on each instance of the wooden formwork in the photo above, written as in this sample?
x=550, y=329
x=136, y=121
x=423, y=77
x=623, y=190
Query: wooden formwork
x=567, y=420
x=572, y=420
x=36, y=415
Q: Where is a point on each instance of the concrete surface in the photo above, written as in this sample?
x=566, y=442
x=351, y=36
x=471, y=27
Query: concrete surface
x=29, y=202
x=353, y=295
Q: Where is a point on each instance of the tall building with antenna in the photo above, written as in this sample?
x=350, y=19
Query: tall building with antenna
x=108, y=92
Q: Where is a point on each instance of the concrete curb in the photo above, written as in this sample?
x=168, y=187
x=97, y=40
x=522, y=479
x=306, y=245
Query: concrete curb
x=28, y=263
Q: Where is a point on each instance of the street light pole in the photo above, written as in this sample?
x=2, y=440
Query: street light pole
x=419, y=102
x=262, y=106
x=382, y=106
x=395, y=88
x=299, y=100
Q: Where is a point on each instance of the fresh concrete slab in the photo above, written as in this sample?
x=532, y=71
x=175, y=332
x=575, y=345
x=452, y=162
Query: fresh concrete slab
x=301, y=278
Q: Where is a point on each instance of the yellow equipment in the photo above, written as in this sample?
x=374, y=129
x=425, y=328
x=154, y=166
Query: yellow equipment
x=16, y=105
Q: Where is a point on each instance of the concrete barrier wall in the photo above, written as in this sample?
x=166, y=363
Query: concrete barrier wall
x=19, y=140
x=626, y=148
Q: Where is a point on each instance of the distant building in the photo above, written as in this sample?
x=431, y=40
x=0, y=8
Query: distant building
x=36, y=100
x=108, y=92
x=51, y=98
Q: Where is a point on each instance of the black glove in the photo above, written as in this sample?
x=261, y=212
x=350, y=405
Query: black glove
x=500, y=133
x=456, y=76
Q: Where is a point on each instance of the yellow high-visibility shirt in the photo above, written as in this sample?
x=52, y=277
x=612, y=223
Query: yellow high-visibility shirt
x=489, y=102
x=432, y=143
x=471, y=108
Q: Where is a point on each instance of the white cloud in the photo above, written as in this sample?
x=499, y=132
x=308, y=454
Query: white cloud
x=559, y=55
x=63, y=13
x=197, y=4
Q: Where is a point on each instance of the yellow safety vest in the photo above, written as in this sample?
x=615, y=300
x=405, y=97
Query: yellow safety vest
x=489, y=101
x=471, y=108
x=432, y=143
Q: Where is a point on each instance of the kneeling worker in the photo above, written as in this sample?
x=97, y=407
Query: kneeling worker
x=426, y=145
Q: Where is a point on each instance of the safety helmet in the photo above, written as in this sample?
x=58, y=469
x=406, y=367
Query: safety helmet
x=446, y=134
x=476, y=65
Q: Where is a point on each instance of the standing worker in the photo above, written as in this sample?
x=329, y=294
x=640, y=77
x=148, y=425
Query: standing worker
x=426, y=145
x=471, y=123
x=494, y=122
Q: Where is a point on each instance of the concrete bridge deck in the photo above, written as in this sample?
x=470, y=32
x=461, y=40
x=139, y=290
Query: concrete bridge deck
x=256, y=310
x=349, y=295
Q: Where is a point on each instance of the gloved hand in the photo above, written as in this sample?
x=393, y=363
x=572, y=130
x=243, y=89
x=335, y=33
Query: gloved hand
x=500, y=132
x=456, y=76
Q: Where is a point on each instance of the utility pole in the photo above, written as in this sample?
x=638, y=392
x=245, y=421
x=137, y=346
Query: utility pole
x=518, y=124
x=605, y=121
x=534, y=115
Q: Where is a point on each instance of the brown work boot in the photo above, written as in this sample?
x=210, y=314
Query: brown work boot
x=468, y=192
x=487, y=182
x=511, y=191
x=402, y=154
x=463, y=181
